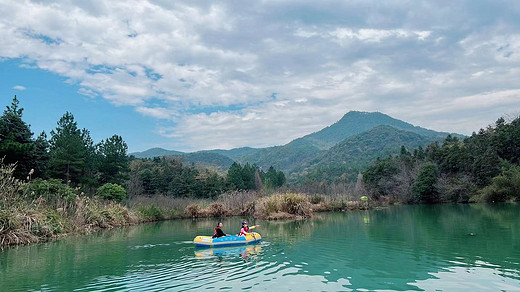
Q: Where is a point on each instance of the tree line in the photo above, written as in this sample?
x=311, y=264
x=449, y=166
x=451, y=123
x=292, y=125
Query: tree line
x=482, y=167
x=170, y=176
x=70, y=156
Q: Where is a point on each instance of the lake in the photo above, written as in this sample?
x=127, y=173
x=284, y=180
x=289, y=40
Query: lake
x=400, y=248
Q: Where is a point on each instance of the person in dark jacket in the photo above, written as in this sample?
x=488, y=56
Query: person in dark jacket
x=218, y=231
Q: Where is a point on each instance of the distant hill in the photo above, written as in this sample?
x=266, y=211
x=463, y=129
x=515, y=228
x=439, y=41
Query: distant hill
x=294, y=155
x=355, y=122
x=235, y=153
x=356, y=152
x=206, y=159
x=155, y=152
x=299, y=154
x=285, y=158
x=221, y=162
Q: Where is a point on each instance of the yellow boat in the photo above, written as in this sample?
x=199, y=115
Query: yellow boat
x=227, y=240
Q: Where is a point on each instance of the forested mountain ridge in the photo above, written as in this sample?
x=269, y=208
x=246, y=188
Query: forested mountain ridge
x=203, y=158
x=155, y=152
x=484, y=167
x=353, y=154
x=355, y=122
x=302, y=154
x=286, y=158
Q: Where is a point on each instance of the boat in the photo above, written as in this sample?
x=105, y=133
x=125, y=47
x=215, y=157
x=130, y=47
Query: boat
x=227, y=240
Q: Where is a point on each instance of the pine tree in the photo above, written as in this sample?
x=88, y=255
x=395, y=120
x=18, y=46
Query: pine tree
x=16, y=143
x=41, y=156
x=114, y=160
x=234, y=177
x=424, y=189
x=67, y=150
x=89, y=173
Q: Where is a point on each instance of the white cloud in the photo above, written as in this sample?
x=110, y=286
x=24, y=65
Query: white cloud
x=19, y=87
x=343, y=35
x=266, y=72
x=156, y=112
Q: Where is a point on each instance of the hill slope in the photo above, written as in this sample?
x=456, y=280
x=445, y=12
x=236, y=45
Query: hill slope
x=355, y=122
x=285, y=158
x=301, y=151
x=221, y=162
x=355, y=152
x=206, y=159
x=155, y=152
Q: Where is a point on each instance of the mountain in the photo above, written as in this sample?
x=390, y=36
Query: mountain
x=355, y=122
x=155, y=152
x=356, y=152
x=285, y=158
x=294, y=155
x=300, y=153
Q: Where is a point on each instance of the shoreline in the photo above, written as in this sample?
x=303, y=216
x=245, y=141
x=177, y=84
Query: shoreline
x=39, y=223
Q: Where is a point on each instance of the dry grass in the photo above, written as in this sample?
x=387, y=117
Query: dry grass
x=283, y=206
x=337, y=202
x=239, y=203
x=193, y=211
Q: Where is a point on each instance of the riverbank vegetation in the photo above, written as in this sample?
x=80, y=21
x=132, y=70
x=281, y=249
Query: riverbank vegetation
x=41, y=210
x=481, y=168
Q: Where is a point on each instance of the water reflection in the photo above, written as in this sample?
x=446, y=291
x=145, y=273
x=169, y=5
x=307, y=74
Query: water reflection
x=245, y=252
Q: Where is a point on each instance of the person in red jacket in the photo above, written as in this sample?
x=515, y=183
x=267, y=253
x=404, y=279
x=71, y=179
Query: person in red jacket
x=244, y=230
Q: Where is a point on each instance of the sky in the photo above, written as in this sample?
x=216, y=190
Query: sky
x=194, y=75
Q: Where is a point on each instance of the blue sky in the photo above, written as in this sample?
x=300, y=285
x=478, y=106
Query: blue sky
x=192, y=75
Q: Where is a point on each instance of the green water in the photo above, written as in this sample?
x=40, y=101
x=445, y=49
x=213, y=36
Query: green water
x=403, y=248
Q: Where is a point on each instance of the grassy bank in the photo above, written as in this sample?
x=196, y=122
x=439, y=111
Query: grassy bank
x=248, y=204
x=43, y=210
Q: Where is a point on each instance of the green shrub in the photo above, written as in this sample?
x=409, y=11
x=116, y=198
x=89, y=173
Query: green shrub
x=504, y=187
x=54, y=191
x=48, y=223
x=113, y=192
x=424, y=187
x=151, y=213
x=338, y=205
x=9, y=221
x=9, y=186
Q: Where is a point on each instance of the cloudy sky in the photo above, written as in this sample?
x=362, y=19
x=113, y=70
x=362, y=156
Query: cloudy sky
x=190, y=75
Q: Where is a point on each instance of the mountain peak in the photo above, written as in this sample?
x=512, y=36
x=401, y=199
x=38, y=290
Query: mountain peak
x=355, y=122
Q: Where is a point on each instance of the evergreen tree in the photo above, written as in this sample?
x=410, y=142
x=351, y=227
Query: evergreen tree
x=280, y=178
x=114, y=160
x=248, y=176
x=67, y=150
x=16, y=143
x=89, y=173
x=424, y=189
x=234, y=177
x=41, y=156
